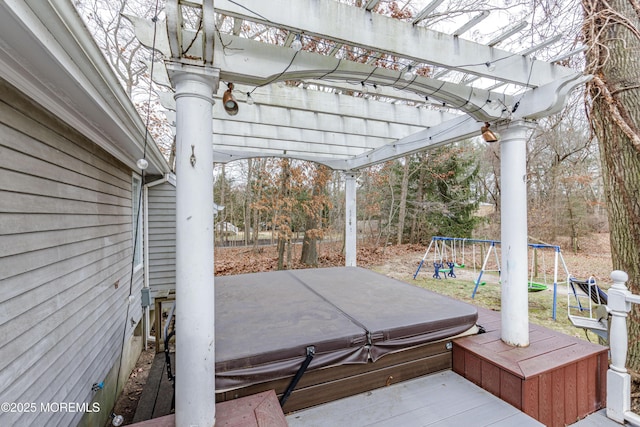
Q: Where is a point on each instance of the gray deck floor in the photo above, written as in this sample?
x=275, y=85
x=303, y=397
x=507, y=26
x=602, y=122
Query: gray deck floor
x=598, y=419
x=441, y=399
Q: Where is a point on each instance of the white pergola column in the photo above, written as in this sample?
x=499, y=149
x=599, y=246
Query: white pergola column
x=195, y=320
x=351, y=220
x=513, y=220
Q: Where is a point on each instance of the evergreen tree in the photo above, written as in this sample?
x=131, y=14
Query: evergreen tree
x=445, y=184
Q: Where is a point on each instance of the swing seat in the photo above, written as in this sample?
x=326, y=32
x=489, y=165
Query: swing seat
x=587, y=323
x=537, y=287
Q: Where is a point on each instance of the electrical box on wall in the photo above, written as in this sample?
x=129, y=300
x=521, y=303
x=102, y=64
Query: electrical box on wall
x=146, y=297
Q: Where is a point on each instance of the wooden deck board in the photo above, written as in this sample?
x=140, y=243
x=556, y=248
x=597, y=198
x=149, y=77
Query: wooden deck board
x=155, y=400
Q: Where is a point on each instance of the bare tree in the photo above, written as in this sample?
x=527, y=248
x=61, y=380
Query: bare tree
x=115, y=36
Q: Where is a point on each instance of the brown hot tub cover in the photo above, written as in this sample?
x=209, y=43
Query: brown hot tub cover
x=266, y=321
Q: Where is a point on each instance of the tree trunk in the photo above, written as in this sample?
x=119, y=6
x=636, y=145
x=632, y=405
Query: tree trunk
x=281, y=245
x=404, y=189
x=416, y=226
x=256, y=212
x=285, y=214
x=223, y=224
x=309, y=255
x=313, y=223
x=614, y=93
x=247, y=202
x=390, y=216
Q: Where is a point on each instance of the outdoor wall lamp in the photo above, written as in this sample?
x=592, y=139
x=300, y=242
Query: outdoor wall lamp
x=487, y=133
x=229, y=101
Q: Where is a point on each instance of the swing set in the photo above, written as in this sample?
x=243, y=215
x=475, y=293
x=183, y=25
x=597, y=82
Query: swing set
x=445, y=256
x=451, y=251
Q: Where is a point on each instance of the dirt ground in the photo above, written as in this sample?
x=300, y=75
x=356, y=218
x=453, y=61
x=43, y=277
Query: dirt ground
x=399, y=262
x=128, y=400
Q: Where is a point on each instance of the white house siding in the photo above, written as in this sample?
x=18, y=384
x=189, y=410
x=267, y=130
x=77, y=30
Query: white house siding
x=161, y=208
x=65, y=242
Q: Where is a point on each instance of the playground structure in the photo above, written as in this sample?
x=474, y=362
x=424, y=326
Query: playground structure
x=454, y=252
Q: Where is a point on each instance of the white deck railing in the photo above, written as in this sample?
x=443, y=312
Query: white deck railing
x=618, y=379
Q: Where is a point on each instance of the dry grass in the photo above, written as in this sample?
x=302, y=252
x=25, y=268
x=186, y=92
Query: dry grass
x=488, y=296
x=593, y=260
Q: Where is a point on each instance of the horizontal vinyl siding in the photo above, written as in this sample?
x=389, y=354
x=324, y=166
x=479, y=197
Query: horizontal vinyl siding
x=162, y=237
x=66, y=239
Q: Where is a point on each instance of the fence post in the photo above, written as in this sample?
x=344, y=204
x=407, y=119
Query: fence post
x=618, y=380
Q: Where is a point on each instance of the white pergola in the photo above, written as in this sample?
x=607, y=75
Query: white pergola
x=327, y=117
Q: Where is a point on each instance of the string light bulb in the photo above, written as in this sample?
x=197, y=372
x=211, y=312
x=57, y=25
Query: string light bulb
x=296, y=44
x=365, y=89
x=377, y=89
x=142, y=164
x=490, y=66
x=250, y=100
x=409, y=74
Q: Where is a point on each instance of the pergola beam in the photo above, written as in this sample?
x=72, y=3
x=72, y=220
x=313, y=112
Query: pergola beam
x=371, y=4
x=424, y=13
x=346, y=24
x=451, y=131
x=568, y=55
x=297, y=107
x=541, y=45
x=257, y=64
x=224, y=140
x=287, y=42
x=471, y=23
x=507, y=33
x=339, y=142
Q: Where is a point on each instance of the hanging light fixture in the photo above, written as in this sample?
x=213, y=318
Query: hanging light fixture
x=487, y=133
x=229, y=101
